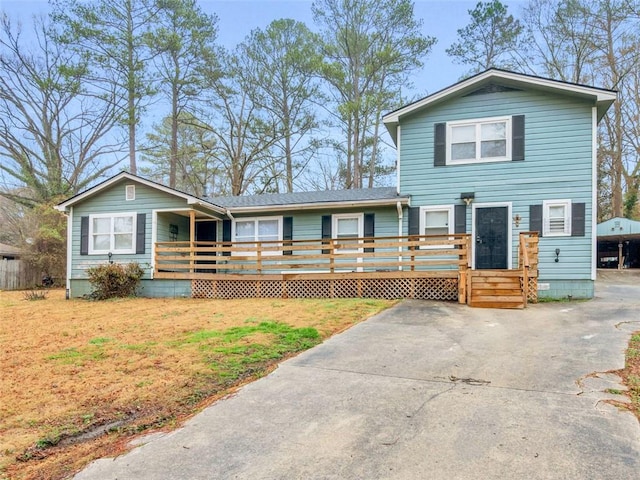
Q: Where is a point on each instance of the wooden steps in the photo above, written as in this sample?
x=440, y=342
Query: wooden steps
x=496, y=289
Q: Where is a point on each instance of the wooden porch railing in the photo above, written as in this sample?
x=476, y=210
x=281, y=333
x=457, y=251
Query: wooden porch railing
x=441, y=262
x=213, y=259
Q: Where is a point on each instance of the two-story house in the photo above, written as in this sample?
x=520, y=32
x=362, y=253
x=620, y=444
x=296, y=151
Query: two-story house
x=480, y=163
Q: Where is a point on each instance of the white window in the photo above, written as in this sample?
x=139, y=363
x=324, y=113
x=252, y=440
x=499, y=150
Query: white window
x=258, y=229
x=437, y=220
x=556, y=218
x=486, y=140
x=348, y=226
x=115, y=233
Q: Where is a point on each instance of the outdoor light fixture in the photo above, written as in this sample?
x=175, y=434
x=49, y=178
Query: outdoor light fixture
x=110, y=255
x=557, y=255
x=467, y=197
x=517, y=219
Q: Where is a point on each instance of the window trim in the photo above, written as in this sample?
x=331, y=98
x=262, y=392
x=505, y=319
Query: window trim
x=256, y=220
x=477, y=122
x=546, y=205
x=450, y=209
x=334, y=228
x=112, y=249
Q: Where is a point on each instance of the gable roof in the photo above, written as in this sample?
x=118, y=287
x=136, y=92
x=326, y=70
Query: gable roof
x=602, y=98
x=9, y=250
x=312, y=200
x=191, y=200
x=618, y=227
x=259, y=203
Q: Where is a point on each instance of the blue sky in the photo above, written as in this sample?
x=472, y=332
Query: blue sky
x=237, y=18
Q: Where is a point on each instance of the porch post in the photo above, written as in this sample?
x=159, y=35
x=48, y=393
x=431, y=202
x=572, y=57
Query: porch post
x=192, y=240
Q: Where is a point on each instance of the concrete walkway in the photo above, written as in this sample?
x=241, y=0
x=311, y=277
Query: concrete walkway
x=424, y=391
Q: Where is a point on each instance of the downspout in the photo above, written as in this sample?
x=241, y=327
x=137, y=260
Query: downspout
x=399, y=209
x=230, y=216
x=69, y=251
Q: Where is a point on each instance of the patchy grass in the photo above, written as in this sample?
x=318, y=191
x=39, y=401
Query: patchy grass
x=631, y=373
x=80, y=378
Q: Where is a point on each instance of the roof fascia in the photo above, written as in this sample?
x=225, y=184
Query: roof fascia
x=603, y=98
x=321, y=205
x=191, y=200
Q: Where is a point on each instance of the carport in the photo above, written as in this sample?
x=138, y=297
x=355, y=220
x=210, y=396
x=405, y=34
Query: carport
x=619, y=243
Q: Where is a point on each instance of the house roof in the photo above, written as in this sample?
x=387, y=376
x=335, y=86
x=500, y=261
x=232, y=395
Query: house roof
x=311, y=200
x=9, y=250
x=191, y=200
x=260, y=203
x=601, y=97
x=619, y=227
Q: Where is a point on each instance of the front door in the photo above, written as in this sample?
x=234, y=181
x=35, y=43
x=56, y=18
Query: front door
x=492, y=238
x=206, y=231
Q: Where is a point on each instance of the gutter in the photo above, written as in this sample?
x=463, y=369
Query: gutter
x=317, y=206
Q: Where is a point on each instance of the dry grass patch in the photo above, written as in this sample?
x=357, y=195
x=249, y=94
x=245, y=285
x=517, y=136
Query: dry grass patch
x=73, y=370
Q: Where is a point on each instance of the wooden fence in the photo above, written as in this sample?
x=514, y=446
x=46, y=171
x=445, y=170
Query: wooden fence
x=18, y=275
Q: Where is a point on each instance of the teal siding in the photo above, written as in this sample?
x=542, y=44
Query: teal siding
x=557, y=165
x=148, y=288
x=112, y=200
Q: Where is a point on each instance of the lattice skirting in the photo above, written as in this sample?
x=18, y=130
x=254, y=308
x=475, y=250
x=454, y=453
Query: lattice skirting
x=532, y=296
x=389, y=288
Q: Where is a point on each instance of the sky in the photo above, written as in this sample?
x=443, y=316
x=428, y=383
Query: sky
x=442, y=19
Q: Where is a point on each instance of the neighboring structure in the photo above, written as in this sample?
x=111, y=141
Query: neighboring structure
x=8, y=252
x=619, y=243
x=480, y=164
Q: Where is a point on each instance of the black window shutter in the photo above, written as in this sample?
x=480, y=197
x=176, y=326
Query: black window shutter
x=369, y=228
x=577, y=219
x=84, y=235
x=414, y=221
x=517, y=138
x=326, y=230
x=460, y=219
x=287, y=233
x=141, y=225
x=535, y=218
x=226, y=235
x=440, y=145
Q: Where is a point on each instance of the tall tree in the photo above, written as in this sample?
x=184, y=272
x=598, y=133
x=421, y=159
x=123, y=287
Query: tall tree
x=198, y=170
x=489, y=40
x=370, y=49
x=184, y=39
x=244, y=137
x=55, y=137
x=111, y=36
x=279, y=66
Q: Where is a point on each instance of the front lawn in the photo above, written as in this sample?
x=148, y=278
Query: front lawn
x=80, y=378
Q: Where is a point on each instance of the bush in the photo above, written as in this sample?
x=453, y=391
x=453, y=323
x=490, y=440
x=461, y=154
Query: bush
x=114, y=280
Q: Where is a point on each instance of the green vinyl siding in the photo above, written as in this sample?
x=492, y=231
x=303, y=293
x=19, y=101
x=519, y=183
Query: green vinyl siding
x=557, y=165
x=112, y=201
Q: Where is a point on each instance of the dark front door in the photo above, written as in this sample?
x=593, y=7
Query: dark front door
x=206, y=231
x=492, y=239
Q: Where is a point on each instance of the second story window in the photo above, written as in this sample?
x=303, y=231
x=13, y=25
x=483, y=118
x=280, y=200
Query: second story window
x=486, y=140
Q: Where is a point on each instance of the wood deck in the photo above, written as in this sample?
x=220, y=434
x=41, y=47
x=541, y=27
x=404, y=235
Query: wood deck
x=425, y=267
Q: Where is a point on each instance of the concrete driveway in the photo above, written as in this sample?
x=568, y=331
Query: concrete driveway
x=425, y=390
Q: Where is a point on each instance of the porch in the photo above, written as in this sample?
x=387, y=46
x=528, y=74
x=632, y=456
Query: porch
x=433, y=267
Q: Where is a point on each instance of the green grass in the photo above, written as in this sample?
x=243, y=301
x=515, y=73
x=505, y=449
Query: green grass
x=232, y=354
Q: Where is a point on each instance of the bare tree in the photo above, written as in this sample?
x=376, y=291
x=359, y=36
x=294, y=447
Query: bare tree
x=55, y=137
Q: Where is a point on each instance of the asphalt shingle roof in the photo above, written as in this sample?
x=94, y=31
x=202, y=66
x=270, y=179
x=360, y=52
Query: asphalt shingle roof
x=298, y=198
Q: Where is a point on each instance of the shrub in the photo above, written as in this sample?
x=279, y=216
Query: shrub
x=114, y=280
x=36, y=295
